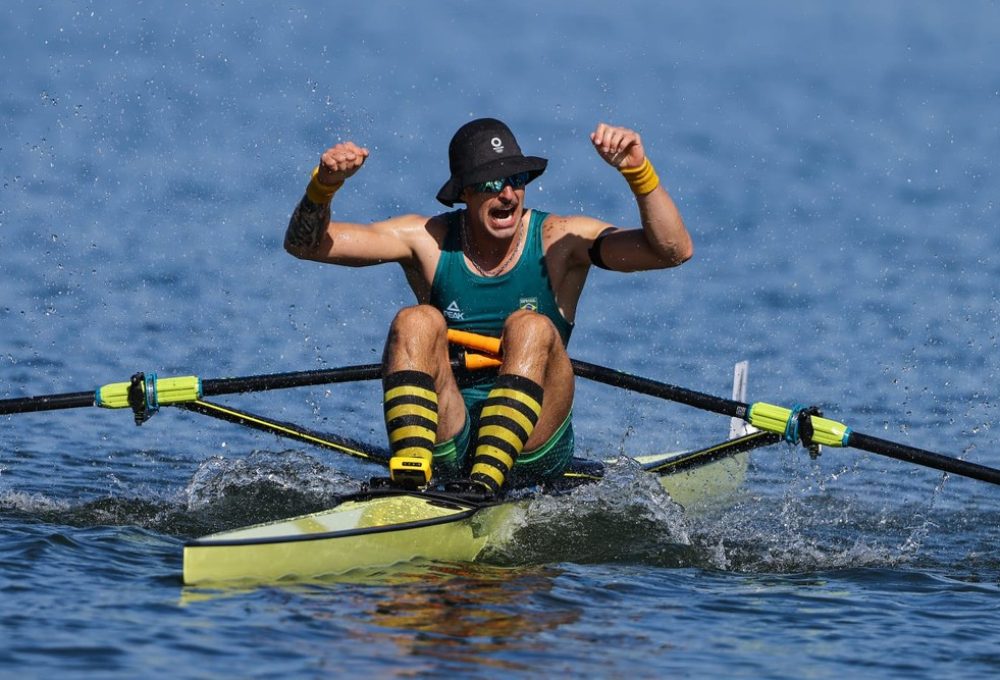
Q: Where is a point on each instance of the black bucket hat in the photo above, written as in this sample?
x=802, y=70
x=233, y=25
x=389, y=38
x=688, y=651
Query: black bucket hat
x=482, y=150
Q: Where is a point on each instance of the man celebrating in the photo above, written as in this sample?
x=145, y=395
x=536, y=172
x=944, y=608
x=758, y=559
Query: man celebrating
x=497, y=268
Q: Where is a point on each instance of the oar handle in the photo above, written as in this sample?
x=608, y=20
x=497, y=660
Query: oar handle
x=481, y=343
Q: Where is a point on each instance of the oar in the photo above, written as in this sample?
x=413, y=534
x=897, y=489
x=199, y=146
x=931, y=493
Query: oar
x=795, y=425
x=146, y=391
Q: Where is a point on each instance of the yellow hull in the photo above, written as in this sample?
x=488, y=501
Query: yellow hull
x=390, y=527
x=382, y=531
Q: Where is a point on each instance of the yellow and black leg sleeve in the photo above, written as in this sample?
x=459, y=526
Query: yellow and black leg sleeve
x=411, y=420
x=509, y=416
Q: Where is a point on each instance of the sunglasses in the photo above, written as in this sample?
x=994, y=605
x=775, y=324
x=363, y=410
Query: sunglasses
x=495, y=186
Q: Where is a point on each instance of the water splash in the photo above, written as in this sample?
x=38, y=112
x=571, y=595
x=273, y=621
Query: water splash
x=223, y=493
x=27, y=504
x=626, y=517
x=263, y=486
x=289, y=472
x=806, y=523
x=804, y=532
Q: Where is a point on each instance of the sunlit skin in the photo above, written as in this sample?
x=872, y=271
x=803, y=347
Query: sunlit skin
x=531, y=345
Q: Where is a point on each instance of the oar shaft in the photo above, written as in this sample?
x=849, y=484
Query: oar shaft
x=682, y=395
x=706, y=402
x=279, y=381
x=49, y=402
x=929, y=459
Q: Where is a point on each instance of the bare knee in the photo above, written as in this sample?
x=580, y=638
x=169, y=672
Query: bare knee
x=418, y=319
x=525, y=328
x=418, y=334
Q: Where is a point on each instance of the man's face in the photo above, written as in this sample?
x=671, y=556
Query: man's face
x=499, y=210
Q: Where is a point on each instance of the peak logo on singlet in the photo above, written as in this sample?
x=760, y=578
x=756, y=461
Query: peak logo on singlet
x=454, y=312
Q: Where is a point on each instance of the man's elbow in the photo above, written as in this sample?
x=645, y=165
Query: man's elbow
x=686, y=253
x=676, y=254
x=296, y=250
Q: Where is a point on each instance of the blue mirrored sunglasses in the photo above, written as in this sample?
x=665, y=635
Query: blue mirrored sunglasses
x=495, y=186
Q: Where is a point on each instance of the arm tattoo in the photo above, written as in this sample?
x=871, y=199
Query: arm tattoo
x=307, y=224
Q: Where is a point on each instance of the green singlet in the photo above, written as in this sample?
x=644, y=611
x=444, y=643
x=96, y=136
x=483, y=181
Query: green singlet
x=481, y=304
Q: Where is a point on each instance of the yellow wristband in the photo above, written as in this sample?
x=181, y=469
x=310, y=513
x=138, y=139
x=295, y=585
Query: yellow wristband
x=320, y=193
x=641, y=180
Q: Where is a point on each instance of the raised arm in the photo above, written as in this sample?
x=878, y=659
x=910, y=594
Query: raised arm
x=312, y=236
x=663, y=241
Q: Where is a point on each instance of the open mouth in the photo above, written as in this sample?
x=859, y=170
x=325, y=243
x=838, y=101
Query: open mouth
x=503, y=216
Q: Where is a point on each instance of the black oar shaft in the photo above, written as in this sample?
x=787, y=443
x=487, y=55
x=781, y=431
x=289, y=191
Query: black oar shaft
x=280, y=381
x=50, y=402
x=929, y=459
x=681, y=395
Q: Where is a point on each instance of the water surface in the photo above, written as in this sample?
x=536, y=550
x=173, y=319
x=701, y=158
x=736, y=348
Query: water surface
x=835, y=164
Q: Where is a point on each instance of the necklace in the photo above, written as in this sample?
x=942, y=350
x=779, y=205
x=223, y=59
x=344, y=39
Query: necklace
x=499, y=269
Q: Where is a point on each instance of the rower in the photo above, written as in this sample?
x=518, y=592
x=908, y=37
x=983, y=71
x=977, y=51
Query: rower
x=494, y=267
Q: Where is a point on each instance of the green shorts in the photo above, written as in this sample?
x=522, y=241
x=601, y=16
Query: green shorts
x=453, y=458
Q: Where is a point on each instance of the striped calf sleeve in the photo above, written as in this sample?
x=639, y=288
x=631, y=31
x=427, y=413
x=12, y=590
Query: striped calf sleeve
x=509, y=416
x=411, y=420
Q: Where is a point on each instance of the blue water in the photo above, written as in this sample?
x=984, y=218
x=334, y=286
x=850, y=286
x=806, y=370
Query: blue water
x=836, y=164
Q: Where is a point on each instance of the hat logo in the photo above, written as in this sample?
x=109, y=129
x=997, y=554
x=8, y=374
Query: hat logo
x=485, y=150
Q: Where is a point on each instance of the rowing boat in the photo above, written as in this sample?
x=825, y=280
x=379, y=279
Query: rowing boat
x=383, y=527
